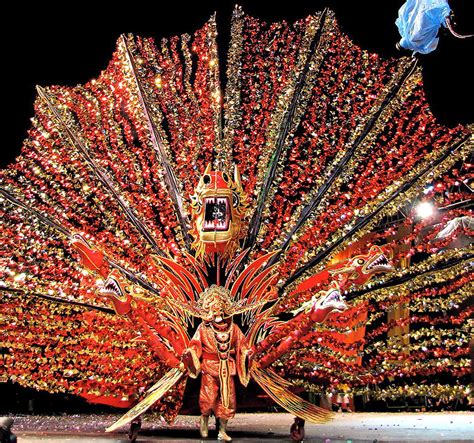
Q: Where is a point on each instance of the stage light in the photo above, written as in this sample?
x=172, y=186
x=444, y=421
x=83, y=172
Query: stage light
x=424, y=209
x=6, y=435
x=428, y=189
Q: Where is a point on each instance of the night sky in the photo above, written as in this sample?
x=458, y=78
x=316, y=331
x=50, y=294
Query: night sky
x=72, y=43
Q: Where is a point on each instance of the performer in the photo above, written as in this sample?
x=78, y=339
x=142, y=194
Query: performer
x=218, y=350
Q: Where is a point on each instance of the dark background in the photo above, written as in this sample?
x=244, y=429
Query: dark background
x=71, y=43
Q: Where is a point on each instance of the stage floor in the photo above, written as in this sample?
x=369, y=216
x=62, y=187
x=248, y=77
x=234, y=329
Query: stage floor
x=267, y=427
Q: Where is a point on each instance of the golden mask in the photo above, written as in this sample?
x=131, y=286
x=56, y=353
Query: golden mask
x=219, y=204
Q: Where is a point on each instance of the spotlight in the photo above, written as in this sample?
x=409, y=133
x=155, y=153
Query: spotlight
x=428, y=189
x=424, y=209
x=6, y=435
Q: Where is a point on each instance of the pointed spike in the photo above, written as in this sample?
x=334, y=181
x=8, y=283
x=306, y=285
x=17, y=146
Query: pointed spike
x=172, y=185
x=325, y=188
x=39, y=90
x=103, y=178
x=237, y=179
x=279, y=145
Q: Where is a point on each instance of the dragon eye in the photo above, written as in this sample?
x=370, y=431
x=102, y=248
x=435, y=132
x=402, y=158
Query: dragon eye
x=206, y=179
x=195, y=201
x=360, y=261
x=235, y=199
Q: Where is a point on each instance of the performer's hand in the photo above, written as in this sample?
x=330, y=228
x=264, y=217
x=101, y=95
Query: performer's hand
x=191, y=363
x=248, y=365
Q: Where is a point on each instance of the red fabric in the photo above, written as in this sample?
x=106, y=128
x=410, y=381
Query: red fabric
x=209, y=398
x=110, y=401
x=204, y=345
x=204, y=342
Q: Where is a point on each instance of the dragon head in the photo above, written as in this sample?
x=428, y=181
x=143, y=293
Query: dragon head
x=115, y=290
x=361, y=268
x=219, y=205
x=323, y=303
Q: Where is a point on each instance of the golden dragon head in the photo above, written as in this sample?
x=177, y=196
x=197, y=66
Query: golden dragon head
x=218, y=204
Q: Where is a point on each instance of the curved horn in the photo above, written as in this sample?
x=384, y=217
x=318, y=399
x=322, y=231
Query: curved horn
x=237, y=180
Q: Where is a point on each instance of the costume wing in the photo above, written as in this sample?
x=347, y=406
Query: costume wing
x=156, y=393
x=277, y=388
x=111, y=160
x=58, y=347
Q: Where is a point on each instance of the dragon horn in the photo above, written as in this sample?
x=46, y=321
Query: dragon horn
x=237, y=180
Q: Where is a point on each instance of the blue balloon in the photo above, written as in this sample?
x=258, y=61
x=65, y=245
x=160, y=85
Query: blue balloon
x=418, y=23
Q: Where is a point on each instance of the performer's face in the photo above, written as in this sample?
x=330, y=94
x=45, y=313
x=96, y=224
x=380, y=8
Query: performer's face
x=218, y=315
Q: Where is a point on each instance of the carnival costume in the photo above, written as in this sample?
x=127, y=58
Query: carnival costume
x=229, y=229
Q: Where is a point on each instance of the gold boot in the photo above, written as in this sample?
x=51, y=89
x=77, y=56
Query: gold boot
x=204, y=426
x=222, y=435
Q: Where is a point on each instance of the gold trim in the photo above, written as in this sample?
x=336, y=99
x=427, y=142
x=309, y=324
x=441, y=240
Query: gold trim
x=276, y=388
x=156, y=392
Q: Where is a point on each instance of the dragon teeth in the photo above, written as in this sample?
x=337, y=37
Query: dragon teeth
x=380, y=261
x=112, y=286
x=213, y=224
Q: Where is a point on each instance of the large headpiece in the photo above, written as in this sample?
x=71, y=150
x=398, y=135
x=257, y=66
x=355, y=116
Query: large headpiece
x=219, y=205
x=215, y=302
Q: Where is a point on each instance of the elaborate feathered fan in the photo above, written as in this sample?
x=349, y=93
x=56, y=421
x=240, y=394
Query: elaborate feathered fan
x=304, y=169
